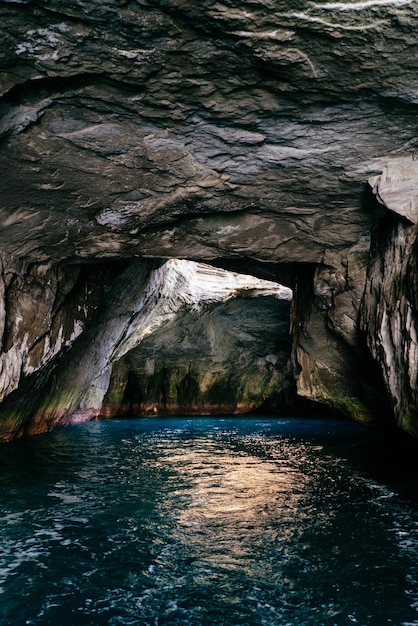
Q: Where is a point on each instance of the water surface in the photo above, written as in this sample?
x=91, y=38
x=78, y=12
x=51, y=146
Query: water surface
x=176, y=521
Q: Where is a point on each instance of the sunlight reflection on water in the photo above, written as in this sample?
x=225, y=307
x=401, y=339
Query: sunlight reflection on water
x=206, y=521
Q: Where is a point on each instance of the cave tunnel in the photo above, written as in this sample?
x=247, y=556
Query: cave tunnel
x=226, y=351
x=180, y=337
x=280, y=170
x=148, y=148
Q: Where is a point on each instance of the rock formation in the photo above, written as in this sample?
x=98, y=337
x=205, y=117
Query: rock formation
x=390, y=303
x=220, y=344
x=273, y=138
x=175, y=337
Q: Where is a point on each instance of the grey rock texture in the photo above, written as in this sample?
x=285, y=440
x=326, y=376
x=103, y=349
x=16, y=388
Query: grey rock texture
x=230, y=132
x=389, y=316
x=228, y=357
x=396, y=187
x=43, y=309
x=154, y=315
x=245, y=129
x=331, y=362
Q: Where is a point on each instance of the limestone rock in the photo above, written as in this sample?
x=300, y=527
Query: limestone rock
x=221, y=358
x=331, y=362
x=43, y=309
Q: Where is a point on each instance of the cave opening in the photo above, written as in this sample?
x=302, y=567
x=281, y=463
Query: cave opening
x=152, y=337
x=220, y=344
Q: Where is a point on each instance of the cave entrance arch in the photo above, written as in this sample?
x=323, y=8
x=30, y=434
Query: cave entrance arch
x=220, y=344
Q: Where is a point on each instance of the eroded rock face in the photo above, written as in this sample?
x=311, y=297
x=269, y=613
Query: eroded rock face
x=236, y=129
x=205, y=333
x=389, y=316
x=331, y=360
x=396, y=187
x=222, y=359
x=43, y=309
x=231, y=132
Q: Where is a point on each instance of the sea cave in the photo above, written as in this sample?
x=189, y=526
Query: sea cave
x=209, y=210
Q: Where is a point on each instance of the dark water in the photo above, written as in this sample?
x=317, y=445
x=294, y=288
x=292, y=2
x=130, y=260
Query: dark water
x=209, y=521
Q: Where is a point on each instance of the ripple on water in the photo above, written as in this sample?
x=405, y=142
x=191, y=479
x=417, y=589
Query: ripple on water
x=229, y=522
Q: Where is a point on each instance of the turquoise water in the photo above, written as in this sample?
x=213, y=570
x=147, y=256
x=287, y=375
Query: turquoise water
x=249, y=521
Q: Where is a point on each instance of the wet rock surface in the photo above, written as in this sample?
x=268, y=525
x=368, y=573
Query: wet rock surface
x=229, y=132
x=175, y=337
x=229, y=358
x=250, y=128
x=389, y=315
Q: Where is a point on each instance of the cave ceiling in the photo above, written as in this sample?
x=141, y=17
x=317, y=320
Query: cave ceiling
x=210, y=130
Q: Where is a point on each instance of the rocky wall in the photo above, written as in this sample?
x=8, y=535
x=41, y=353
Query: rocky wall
x=389, y=318
x=167, y=337
x=224, y=358
x=242, y=133
x=331, y=361
x=43, y=309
